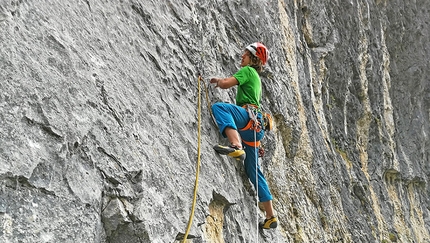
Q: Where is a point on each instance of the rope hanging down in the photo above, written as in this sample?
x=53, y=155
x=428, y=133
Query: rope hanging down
x=256, y=183
x=190, y=220
x=209, y=103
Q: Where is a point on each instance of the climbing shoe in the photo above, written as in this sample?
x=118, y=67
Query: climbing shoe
x=269, y=223
x=232, y=151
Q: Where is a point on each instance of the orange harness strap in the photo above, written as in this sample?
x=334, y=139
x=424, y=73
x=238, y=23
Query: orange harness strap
x=251, y=126
x=248, y=126
x=252, y=144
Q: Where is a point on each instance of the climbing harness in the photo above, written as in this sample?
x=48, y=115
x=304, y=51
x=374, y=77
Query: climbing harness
x=190, y=220
x=253, y=124
x=266, y=123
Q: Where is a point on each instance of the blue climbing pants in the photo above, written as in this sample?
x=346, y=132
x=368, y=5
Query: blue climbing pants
x=236, y=117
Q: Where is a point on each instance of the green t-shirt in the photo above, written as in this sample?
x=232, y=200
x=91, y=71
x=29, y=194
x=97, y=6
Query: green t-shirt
x=249, y=90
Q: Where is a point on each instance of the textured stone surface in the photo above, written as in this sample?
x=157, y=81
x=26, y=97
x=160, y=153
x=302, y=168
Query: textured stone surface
x=98, y=121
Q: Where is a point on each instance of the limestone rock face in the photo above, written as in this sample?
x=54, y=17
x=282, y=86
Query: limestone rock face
x=99, y=120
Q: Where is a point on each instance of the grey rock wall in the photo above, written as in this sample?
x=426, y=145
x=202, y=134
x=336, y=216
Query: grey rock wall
x=98, y=120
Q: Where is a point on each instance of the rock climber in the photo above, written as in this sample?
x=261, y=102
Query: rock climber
x=242, y=123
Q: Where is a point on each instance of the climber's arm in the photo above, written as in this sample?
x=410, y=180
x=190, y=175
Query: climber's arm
x=225, y=83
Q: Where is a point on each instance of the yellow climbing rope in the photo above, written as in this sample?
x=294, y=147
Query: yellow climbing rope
x=190, y=220
x=208, y=102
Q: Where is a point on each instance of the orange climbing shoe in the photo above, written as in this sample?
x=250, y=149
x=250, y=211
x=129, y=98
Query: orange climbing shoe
x=232, y=151
x=269, y=223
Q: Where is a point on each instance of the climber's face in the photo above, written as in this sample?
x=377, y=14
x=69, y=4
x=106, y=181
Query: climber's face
x=246, y=59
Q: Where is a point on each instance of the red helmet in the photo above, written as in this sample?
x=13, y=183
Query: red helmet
x=259, y=50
